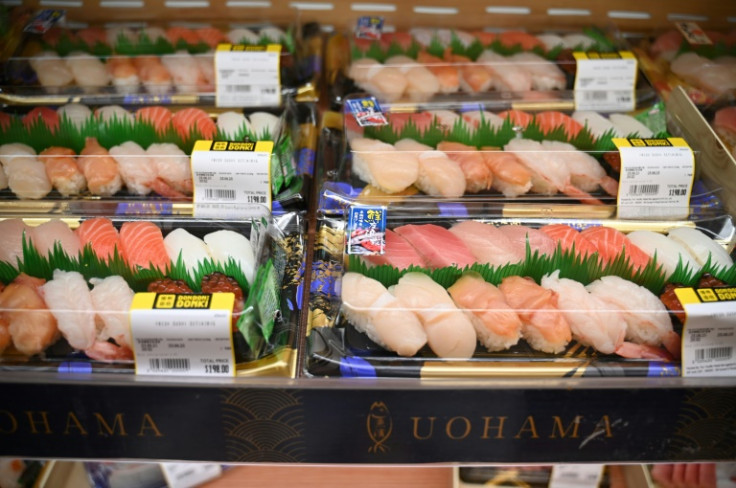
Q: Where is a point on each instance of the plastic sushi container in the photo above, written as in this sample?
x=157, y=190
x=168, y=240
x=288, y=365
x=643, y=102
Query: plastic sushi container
x=68, y=285
x=147, y=63
x=430, y=155
x=499, y=67
x=705, y=68
x=76, y=152
x=477, y=296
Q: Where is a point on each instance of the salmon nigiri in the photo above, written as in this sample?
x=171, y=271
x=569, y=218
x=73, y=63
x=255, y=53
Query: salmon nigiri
x=473, y=78
x=517, y=117
x=101, y=235
x=62, y=170
x=513, y=38
x=510, y=177
x=143, y=245
x=190, y=119
x=48, y=117
x=447, y=74
x=478, y=175
x=567, y=237
x=437, y=245
x=551, y=120
x=610, y=243
x=543, y=326
x=100, y=169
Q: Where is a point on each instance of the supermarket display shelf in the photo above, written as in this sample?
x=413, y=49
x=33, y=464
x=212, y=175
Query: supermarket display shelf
x=50, y=415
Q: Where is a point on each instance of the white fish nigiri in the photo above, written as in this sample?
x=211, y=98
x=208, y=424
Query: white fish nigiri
x=382, y=166
x=384, y=318
x=76, y=113
x=231, y=123
x=545, y=74
x=507, y=74
x=89, y=72
x=226, y=244
x=47, y=235
x=628, y=126
x=51, y=70
x=172, y=166
x=272, y=33
x=111, y=299
x=700, y=246
x=69, y=301
x=243, y=36
x=586, y=172
x=446, y=118
x=550, y=41
x=13, y=150
x=422, y=83
x=27, y=176
x=572, y=41
x=263, y=122
x=184, y=71
x=153, y=34
x=449, y=331
x=596, y=123
x=591, y=320
x=114, y=112
x=669, y=252
x=121, y=33
x=11, y=239
x=135, y=166
x=192, y=249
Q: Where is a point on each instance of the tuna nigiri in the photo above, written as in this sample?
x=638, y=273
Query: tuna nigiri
x=449, y=331
x=497, y=324
x=143, y=245
x=42, y=115
x=437, y=174
x=101, y=236
x=439, y=246
x=487, y=243
x=538, y=241
x=384, y=318
x=398, y=253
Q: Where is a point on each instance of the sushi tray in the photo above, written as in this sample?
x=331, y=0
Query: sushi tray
x=461, y=153
x=68, y=285
x=141, y=63
x=501, y=68
x=56, y=156
x=705, y=71
x=479, y=296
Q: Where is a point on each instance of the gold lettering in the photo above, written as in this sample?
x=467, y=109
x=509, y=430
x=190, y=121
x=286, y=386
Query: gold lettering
x=43, y=420
x=12, y=421
x=148, y=424
x=105, y=429
x=557, y=426
x=498, y=427
x=416, y=428
x=73, y=422
x=606, y=424
x=448, y=428
x=528, y=426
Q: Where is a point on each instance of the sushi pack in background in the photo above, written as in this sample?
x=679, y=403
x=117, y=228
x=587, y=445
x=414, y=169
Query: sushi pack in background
x=442, y=154
x=495, y=65
x=705, y=68
x=68, y=285
x=458, y=296
x=141, y=63
x=78, y=152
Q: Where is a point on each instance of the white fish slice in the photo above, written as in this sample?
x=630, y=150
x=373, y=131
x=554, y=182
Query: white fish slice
x=596, y=123
x=192, y=249
x=628, y=126
x=226, y=244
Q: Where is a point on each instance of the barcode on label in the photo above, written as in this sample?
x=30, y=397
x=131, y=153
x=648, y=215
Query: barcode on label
x=168, y=364
x=720, y=353
x=643, y=189
x=596, y=95
x=237, y=88
x=222, y=194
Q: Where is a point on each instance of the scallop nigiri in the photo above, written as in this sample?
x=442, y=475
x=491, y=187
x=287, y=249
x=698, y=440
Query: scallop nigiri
x=89, y=72
x=265, y=125
x=497, y=324
x=487, y=243
x=26, y=175
x=69, y=300
x=51, y=70
x=422, y=84
x=450, y=334
x=384, y=318
x=224, y=245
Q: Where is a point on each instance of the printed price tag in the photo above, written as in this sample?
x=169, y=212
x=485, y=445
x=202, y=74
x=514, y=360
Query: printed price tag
x=247, y=75
x=44, y=20
x=367, y=230
x=709, y=335
x=576, y=475
x=656, y=178
x=367, y=111
x=183, y=335
x=605, y=82
x=369, y=27
x=231, y=177
x=189, y=475
x=694, y=35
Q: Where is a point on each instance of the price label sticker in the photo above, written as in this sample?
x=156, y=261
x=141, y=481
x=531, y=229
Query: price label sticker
x=656, y=178
x=367, y=230
x=605, y=82
x=709, y=334
x=576, y=475
x=366, y=111
x=231, y=177
x=369, y=27
x=189, y=475
x=44, y=20
x=694, y=35
x=247, y=76
x=183, y=334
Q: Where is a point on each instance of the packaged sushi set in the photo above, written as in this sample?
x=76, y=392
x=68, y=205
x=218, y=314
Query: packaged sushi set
x=138, y=63
x=703, y=65
x=425, y=64
x=454, y=297
x=68, y=286
x=76, y=152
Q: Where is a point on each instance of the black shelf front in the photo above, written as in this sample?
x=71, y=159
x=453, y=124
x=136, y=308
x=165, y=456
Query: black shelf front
x=366, y=421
